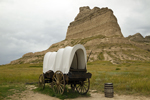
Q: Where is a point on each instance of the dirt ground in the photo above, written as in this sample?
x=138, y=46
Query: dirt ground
x=30, y=95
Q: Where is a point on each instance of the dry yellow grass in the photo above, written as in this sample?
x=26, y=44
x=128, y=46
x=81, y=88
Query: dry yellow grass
x=128, y=78
x=20, y=73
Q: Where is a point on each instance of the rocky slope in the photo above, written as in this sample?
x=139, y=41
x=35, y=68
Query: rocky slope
x=98, y=30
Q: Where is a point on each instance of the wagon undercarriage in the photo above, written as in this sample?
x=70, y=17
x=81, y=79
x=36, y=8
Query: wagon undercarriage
x=79, y=81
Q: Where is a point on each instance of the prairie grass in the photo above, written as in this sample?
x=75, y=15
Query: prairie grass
x=128, y=78
x=14, y=77
x=20, y=73
x=9, y=89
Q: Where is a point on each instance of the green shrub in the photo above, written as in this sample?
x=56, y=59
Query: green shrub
x=117, y=68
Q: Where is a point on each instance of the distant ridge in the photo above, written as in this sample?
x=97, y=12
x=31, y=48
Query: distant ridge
x=139, y=38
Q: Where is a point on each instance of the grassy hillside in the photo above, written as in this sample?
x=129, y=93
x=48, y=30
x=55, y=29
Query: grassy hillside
x=128, y=78
x=116, y=50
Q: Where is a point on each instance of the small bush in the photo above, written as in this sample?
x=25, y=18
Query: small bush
x=118, y=69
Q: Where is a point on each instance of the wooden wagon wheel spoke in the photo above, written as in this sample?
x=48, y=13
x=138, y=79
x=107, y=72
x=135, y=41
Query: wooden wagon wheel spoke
x=55, y=78
x=61, y=85
x=59, y=82
x=80, y=89
x=61, y=88
x=83, y=87
x=78, y=86
x=41, y=81
x=54, y=83
x=62, y=81
x=58, y=89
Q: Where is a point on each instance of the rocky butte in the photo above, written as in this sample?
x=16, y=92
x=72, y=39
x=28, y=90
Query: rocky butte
x=93, y=22
x=98, y=30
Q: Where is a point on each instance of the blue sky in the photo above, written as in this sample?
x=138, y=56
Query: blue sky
x=34, y=25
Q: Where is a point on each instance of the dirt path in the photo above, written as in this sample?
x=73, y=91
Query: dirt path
x=30, y=95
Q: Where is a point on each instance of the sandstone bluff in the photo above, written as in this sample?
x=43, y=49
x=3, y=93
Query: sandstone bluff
x=98, y=30
x=93, y=22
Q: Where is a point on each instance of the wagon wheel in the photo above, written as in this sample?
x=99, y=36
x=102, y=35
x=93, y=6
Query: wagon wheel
x=58, y=82
x=42, y=81
x=83, y=86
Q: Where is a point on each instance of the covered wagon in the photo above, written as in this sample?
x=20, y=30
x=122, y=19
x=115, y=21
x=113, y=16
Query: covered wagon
x=66, y=66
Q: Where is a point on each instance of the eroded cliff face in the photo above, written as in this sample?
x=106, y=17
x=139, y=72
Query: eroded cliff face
x=93, y=22
x=97, y=29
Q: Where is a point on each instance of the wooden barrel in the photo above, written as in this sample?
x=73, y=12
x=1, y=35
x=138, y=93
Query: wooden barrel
x=108, y=90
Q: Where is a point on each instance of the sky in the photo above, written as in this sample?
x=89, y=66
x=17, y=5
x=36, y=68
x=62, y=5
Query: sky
x=34, y=25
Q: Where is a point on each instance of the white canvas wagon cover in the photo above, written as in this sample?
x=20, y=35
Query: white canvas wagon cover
x=65, y=58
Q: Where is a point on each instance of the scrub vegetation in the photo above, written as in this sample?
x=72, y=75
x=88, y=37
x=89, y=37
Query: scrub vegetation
x=85, y=40
x=127, y=78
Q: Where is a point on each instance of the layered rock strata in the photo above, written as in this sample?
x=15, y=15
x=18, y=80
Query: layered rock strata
x=93, y=22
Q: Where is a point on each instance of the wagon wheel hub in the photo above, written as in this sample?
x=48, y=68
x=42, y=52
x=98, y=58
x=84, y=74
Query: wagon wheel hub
x=57, y=82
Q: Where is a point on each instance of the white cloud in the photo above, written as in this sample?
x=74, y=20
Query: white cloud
x=31, y=26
